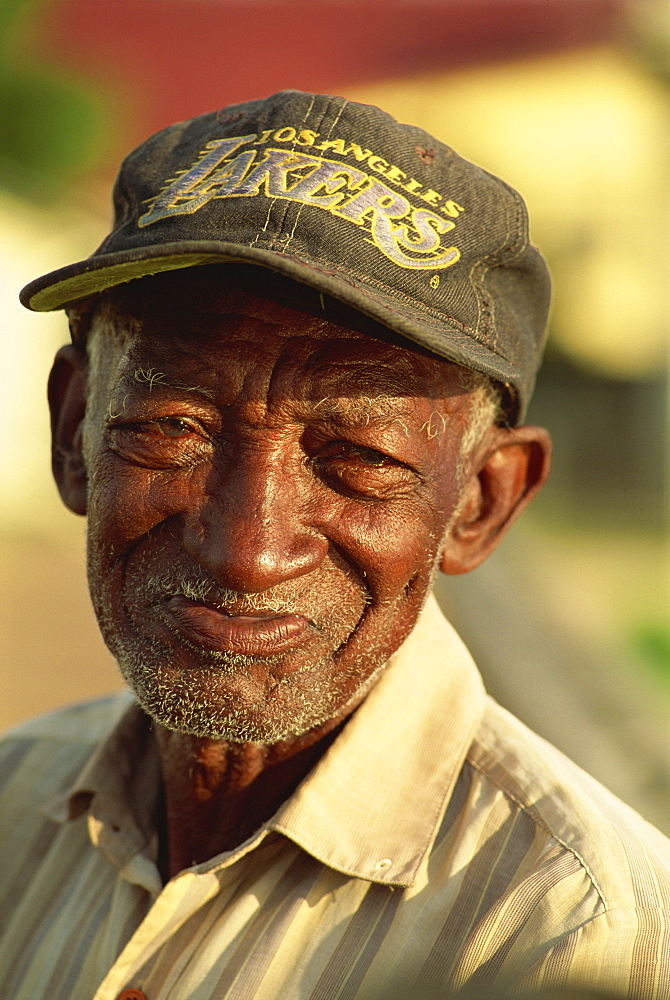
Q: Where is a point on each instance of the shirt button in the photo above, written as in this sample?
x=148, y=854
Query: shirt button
x=131, y=995
x=384, y=863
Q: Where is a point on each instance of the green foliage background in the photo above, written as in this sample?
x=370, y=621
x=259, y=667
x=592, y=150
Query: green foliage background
x=51, y=125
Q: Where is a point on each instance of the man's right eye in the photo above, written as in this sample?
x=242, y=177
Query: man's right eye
x=172, y=427
x=160, y=443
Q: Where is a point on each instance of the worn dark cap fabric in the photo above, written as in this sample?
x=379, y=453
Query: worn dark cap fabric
x=343, y=198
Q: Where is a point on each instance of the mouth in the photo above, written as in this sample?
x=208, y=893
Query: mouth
x=263, y=632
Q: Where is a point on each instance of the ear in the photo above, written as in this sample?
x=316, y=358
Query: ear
x=67, y=404
x=509, y=473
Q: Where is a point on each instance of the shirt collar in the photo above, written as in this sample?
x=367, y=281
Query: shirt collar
x=119, y=787
x=373, y=804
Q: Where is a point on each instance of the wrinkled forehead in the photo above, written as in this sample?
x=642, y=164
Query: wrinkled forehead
x=195, y=291
x=213, y=315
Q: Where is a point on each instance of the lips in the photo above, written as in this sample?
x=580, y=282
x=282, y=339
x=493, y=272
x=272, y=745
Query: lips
x=260, y=633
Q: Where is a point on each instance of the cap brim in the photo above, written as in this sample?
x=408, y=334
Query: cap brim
x=68, y=285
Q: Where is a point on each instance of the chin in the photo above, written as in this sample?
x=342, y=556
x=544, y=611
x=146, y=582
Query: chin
x=225, y=700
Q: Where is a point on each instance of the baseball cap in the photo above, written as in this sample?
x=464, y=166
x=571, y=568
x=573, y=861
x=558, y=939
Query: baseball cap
x=339, y=196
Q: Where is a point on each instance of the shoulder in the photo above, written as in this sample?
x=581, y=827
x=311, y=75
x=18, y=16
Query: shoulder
x=549, y=877
x=623, y=858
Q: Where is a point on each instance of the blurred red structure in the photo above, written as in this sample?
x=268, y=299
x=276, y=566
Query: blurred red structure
x=170, y=59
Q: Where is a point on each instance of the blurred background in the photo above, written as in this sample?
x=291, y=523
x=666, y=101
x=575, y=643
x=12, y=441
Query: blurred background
x=565, y=99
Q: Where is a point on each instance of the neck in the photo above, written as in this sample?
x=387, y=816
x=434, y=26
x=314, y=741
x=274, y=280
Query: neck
x=217, y=794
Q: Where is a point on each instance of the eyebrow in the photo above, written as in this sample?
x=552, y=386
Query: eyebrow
x=153, y=378
x=357, y=411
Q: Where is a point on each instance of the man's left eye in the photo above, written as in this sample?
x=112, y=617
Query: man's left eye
x=363, y=472
x=358, y=453
x=370, y=456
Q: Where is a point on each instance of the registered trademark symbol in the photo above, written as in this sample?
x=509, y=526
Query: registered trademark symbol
x=434, y=281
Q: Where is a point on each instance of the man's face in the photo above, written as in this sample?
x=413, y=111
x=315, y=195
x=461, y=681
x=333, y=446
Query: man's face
x=268, y=493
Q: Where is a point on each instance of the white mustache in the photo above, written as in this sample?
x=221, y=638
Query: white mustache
x=203, y=589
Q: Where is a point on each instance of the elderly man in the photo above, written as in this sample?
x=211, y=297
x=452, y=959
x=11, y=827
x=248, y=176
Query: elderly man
x=299, y=367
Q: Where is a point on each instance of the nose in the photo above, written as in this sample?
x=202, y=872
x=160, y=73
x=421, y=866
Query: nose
x=251, y=530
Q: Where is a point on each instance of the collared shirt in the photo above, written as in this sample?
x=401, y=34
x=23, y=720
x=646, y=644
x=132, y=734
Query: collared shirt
x=438, y=842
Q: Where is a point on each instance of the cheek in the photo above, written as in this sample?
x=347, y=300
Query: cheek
x=398, y=543
x=125, y=503
x=390, y=547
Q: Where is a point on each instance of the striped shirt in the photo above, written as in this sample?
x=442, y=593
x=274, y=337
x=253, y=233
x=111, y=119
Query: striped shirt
x=438, y=842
